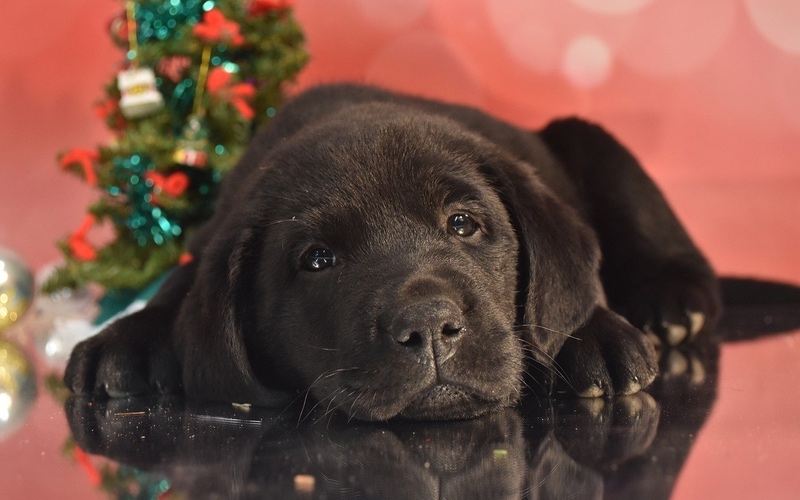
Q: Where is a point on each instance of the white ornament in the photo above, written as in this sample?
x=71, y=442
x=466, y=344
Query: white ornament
x=59, y=321
x=140, y=97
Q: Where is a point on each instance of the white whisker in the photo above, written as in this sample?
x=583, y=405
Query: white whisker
x=554, y=367
x=542, y=327
x=305, y=393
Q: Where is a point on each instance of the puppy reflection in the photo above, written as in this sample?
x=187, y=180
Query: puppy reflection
x=628, y=447
x=551, y=448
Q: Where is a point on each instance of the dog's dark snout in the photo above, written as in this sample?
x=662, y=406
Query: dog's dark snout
x=429, y=329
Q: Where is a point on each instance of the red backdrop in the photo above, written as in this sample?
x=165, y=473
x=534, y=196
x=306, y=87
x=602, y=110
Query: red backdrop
x=707, y=94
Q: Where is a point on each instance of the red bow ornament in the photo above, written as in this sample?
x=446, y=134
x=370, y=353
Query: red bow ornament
x=172, y=185
x=173, y=67
x=220, y=86
x=216, y=28
x=108, y=110
x=78, y=244
x=85, y=158
x=256, y=7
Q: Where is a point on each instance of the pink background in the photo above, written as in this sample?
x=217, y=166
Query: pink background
x=706, y=94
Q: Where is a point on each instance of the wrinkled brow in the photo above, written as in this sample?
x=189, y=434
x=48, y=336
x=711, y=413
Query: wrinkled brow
x=456, y=190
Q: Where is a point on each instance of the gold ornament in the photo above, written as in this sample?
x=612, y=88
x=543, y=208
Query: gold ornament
x=16, y=288
x=192, y=145
x=17, y=387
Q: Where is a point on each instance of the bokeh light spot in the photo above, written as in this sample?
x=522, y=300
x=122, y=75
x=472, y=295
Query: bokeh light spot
x=612, y=7
x=778, y=21
x=587, y=62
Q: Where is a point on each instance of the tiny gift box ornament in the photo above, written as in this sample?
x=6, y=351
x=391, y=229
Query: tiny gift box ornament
x=192, y=145
x=140, y=97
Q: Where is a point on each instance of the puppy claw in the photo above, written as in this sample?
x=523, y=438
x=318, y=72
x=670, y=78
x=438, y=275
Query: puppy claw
x=698, y=371
x=631, y=388
x=675, y=333
x=696, y=321
x=636, y=384
x=594, y=391
x=676, y=364
x=594, y=406
x=632, y=406
x=654, y=339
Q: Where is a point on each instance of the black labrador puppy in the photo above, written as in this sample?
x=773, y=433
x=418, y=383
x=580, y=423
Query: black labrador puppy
x=392, y=256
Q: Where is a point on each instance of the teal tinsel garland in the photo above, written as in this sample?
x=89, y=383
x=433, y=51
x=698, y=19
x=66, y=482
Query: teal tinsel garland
x=162, y=20
x=180, y=100
x=148, y=223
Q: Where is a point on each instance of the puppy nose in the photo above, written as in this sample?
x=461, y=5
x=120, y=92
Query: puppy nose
x=429, y=330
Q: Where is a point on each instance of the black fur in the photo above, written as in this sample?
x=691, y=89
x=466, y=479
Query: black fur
x=414, y=320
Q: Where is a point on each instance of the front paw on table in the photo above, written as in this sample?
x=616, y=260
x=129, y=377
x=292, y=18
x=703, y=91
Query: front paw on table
x=607, y=356
x=125, y=359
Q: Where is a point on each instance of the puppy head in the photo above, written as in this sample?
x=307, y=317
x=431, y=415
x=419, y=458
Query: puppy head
x=381, y=264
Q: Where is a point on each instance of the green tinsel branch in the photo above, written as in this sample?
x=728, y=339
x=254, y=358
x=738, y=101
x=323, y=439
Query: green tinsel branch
x=153, y=201
x=119, y=265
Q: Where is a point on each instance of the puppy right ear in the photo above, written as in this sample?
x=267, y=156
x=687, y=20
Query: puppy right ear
x=559, y=257
x=209, y=333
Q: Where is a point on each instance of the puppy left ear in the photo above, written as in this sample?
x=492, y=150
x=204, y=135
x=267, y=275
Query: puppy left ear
x=209, y=336
x=559, y=257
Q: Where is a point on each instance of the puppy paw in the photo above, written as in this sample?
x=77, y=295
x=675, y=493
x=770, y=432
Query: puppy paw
x=145, y=430
x=603, y=432
x=673, y=309
x=690, y=366
x=607, y=356
x=132, y=356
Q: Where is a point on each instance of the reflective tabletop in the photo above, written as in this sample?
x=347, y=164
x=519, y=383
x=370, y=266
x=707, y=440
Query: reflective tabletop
x=720, y=422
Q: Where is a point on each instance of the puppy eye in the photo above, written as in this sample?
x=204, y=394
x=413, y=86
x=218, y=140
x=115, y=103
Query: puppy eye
x=461, y=225
x=318, y=259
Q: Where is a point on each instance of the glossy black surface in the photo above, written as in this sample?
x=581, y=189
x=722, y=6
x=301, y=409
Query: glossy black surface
x=629, y=447
x=626, y=447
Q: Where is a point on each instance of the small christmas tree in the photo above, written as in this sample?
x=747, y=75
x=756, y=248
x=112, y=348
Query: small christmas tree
x=198, y=77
